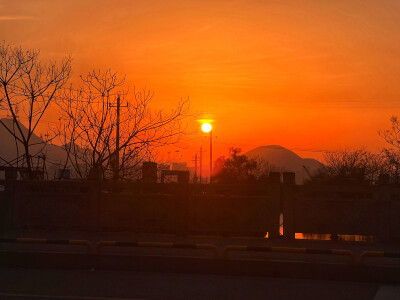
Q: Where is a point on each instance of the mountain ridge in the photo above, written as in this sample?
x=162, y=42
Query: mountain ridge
x=55, y=154
x=287, y=160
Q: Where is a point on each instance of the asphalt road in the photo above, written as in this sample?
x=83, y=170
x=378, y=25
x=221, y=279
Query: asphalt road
x=19, y=283
x=26, y=283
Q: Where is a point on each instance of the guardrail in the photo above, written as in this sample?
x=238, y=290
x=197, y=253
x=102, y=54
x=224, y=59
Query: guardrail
x=102, y=244
x=85, y=243
x=348, y=253
x=377, y=254
x=213, y=248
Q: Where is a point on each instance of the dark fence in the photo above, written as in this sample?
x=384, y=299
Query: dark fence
x=52, y=204
x=145, y=208
x=347, y=210
x=183, y=209
x=244, y=210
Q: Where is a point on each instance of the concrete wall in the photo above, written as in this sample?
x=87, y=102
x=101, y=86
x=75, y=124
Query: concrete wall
x=52, y=204
x=351, y=210
x=202, y=209
x=157, y=208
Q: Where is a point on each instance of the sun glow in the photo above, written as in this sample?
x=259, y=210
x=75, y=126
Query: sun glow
x=206, y=127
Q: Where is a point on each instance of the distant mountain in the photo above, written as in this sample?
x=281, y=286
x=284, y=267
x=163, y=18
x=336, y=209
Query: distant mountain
x=56, y=155
x=287, y=160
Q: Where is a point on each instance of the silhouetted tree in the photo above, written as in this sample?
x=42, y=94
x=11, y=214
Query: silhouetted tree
x=392, y=135
x=349, y=166
x=27, y=88
x=392, y=164
x=373, y=164
x=343, y=163
x=392, y=154
x=239, y=168
x=89, y=119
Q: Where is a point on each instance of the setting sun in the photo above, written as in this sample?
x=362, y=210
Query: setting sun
x=206, y=127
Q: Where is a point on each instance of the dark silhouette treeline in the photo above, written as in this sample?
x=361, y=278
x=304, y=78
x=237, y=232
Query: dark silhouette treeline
x=339, y=167
x=238, y=168
x=360, y=165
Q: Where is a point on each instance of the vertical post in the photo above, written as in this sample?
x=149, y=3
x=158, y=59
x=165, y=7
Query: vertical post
x=95, y=206
x=289, y=182
x=383, y=204
x=149, y=172
x=210, y=155
x=182, y=217
x=116, y=175
x=201, y=162
x=195, y=168
x=8, y=207
x=274, y=199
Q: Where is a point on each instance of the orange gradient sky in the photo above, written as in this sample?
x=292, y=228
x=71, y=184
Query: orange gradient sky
x=307, y=75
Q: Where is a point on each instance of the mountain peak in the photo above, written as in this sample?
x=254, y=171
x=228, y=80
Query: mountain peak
x=285, y=159
x=272, y=147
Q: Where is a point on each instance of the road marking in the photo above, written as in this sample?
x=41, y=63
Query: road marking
x=388, y=292
x=33, y=296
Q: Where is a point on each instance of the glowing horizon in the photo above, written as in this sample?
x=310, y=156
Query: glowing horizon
x=306, y=75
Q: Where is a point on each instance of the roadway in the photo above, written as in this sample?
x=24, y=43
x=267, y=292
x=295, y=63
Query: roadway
x=21, y=283
x=67, y=272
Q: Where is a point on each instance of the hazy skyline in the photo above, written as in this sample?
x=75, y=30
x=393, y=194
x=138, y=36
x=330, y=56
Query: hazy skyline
x=301, y=74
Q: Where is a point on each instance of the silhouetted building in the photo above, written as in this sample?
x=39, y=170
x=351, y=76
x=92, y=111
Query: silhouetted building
x=182, y=166
x=149, y=172
x=177, y=176
x=10, y=173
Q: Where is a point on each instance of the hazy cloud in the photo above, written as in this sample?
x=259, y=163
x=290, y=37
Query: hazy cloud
x=15, y=18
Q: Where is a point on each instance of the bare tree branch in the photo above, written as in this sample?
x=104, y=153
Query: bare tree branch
x=28, y=86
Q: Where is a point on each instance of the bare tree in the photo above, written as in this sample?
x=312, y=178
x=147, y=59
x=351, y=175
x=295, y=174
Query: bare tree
x=350, y=165
x=392, y=135
x=90, y=121
x=343, y=163
x=27, y=88
x=392, y=164
x=373, y=164
x=392, y=154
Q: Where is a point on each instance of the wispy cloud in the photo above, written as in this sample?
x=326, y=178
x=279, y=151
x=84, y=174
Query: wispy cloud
x=204, y=28
x=15, y=18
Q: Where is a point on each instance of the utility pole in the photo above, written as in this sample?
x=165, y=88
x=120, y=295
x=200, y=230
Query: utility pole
x=195, y=169
x=195, y=164
x=210, y=155
x=117, y=137
x=201, y=161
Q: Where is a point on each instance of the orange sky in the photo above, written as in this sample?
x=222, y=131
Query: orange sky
x=307, y=75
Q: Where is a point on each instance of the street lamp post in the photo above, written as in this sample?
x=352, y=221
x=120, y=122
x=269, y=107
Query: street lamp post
x=210, y=155
x=206, y=127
